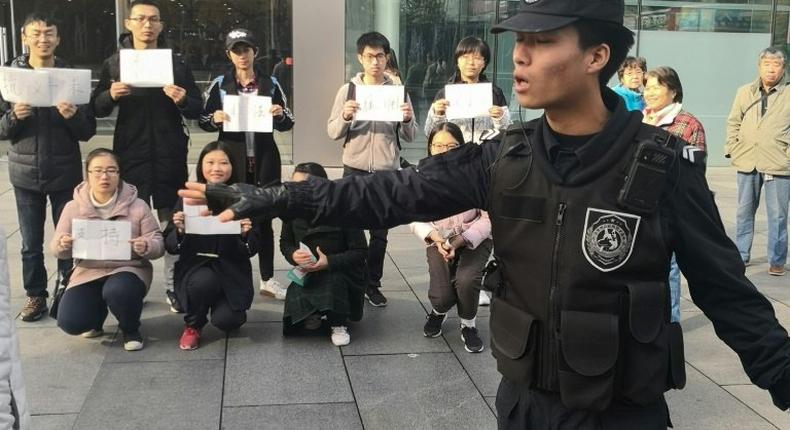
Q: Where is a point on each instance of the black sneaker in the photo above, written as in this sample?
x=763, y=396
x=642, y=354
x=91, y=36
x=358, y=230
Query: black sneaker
x=34, y=309
x=375, y=297
x=433, y=325
x=172, y=300
x=472, y=341
x=132, y=341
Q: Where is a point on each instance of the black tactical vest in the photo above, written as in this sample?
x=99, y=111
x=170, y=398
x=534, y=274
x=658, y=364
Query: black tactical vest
x=584, y=309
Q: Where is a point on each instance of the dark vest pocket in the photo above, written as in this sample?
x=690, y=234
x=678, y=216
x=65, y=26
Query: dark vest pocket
x=645, y=369
x=513, y=341
x=589, y=346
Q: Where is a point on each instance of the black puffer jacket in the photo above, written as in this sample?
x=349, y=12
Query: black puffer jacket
x=149, y=131
x=45, y=151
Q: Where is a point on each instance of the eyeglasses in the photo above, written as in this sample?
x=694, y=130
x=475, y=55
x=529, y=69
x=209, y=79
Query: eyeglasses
x=140, y=20
x=380, y=57
x=472, y=58
x=36, y=36
x=110, y=171
x=444, y=147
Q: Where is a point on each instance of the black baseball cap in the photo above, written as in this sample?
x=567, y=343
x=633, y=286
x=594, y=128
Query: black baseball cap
x=535, y=16
x=240, y=35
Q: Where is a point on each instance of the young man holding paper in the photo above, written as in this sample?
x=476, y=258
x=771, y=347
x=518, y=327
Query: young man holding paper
x=254, y=152
x=370, y=146
x=149, y=131
x=44, y=159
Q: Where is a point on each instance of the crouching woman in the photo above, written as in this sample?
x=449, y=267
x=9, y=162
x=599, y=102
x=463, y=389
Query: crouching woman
x=97, y=287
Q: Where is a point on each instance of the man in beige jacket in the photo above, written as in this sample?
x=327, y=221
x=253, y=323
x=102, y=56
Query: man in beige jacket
x=370, y=146
x=758, y=143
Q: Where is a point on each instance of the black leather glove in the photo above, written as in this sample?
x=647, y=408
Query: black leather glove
x=247, y=201
x=780, y=393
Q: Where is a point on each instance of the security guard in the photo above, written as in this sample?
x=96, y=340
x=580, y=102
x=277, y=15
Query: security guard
x=587, y=205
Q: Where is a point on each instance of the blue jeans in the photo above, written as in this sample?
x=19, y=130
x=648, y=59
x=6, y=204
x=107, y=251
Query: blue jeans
x=31, y=207
x=749, y=185
x=777, y=199
x=674, y=288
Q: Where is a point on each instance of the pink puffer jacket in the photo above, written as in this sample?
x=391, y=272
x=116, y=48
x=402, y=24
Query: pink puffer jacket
x=127, y=208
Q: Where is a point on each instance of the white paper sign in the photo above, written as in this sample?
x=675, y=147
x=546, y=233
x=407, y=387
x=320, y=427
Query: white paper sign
x=69, y=85
x=194, y=223
x=101, y=240
x=468, y=100
x=379, y=102
x=25, y=86
x=147, y=68
x=248, y=113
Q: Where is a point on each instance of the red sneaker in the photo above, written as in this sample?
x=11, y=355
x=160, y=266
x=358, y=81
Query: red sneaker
x=190, y=339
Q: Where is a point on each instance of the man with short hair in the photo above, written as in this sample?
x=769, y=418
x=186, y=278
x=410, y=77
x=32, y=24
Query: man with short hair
x=44, y=159
x=370, y=146
x=632, y=78
x=149, y=133
x=587, y=204
x=759, y=147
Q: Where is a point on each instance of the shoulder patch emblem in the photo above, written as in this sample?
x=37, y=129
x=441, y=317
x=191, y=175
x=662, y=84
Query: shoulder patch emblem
x=694, y=154
x=489, y=134
x=609, y=238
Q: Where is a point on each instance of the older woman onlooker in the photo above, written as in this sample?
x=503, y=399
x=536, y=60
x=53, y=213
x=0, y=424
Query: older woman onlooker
x=632, y=77
x=663, y=97
x=664, y=108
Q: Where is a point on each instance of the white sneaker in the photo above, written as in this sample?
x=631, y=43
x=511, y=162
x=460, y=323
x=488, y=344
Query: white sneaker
x=340, y=336
x=90, y=334
x=484, y=299
x=273, y=288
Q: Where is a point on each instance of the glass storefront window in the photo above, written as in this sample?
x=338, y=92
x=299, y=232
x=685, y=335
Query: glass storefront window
x=197, y=29
x=87, y=29
x=753, y=16
x=424, y=41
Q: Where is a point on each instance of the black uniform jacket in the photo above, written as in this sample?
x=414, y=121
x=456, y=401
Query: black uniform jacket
x=228, y=255
x=460, y=179
x=45, y=152
x=149, y=131
x=267, y=156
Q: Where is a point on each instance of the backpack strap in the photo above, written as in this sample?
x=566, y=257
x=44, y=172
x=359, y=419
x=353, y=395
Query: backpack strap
x=351, y=94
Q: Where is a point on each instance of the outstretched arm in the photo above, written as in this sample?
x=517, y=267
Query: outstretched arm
x=439, y=187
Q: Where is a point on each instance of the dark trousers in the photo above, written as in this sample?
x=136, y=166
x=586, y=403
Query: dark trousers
x=266, y=249
x=519, y=407
x=377, y=247
x=31, y=207
x=204, y=294
x=457, y=282
x=84, y=307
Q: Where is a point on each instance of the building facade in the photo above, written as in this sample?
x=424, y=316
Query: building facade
x=713, y=44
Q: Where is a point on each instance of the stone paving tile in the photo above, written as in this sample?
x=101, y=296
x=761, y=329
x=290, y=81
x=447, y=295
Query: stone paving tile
x=426, y=391
x=287, y=417
x=161, y=395
x=265, y=368
x=59, y=369
x=491, y=401
x=53, y=422
x=703, y=405
x=480, y=366
x=394, y=329
x=707, y=353
x=161, y=332
x=710, y=355
x=760, y=401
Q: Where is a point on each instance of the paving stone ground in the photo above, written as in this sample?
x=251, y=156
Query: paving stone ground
x=389, y=377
